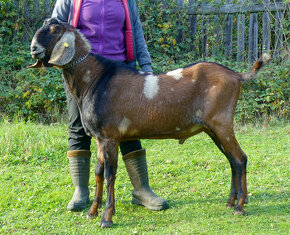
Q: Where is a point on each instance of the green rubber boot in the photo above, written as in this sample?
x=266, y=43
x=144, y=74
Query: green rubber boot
x=79, y=162
x=136, y=166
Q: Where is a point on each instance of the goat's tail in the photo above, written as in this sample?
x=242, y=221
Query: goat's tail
x=263, y=60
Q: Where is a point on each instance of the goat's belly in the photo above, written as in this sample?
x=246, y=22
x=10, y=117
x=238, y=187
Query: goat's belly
x=155, y=133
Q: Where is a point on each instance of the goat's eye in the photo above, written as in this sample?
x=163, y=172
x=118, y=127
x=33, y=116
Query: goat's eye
x=54, y=29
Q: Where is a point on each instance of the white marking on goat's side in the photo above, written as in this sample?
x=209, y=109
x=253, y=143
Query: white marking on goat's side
x=124, y=124
x=151, y=86
x=176, y=74
x=228, y=139
x=87, y=76
x=178, y=128
x=198, y=113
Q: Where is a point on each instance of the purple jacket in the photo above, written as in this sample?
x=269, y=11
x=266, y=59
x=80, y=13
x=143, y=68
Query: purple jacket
x=63, y=10
x=103, y=24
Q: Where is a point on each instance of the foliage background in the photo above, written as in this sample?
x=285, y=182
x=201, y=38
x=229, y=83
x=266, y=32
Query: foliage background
x=39, y=94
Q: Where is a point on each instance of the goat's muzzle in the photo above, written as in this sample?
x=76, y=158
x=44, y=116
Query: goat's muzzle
x=38, y=52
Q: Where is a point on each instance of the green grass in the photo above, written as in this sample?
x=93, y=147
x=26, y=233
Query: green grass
x=35, y=185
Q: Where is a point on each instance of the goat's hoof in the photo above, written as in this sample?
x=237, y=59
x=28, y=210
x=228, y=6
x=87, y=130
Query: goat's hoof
x=106, y=224
x=229, y=205
x=91, y=216
x=239, y=212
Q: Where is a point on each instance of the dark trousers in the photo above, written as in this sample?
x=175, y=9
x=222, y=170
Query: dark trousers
x=78, y=140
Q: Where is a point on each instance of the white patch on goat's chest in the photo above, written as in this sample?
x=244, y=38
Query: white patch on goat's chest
x=199, y=113
x=151, y=86
x=176, y=74
x=213, y=89
x=87, y=76
x=124, y=124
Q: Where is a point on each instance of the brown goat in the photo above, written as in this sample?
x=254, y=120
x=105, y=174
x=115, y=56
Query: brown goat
x=117, y=103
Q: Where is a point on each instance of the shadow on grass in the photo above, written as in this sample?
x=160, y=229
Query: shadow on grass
x=260, y=205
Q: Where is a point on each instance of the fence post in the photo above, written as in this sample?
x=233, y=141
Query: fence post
x=241, y=36
x=180, y=37
x=279, y=16
x=253, y=37
x=192, y=22
x=217, y=31
x=16, y=28
x=46, y=7
x=204, y=41
x=26, y=14
x=266, y=30
x=229, y=33
x=35, y=6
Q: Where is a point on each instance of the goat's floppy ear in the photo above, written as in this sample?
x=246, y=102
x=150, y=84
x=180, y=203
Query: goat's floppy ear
x=63, y=50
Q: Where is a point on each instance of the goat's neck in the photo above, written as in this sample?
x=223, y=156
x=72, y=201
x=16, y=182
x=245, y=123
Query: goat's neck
x=82, y=76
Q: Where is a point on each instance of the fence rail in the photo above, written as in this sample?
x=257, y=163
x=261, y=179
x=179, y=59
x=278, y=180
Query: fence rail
x=238, y=8
x=242, y=31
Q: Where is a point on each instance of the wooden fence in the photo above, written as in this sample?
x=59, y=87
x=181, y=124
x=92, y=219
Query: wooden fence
x=236, y=27
x=270, y=14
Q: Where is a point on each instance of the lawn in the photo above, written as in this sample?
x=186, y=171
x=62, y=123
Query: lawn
x=35, y=184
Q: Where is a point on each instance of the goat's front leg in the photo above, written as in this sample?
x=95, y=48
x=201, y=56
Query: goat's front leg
x=110, y=153
x=99, y=174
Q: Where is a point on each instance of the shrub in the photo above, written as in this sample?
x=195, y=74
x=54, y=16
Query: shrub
x=34, y=94
x=39, y=94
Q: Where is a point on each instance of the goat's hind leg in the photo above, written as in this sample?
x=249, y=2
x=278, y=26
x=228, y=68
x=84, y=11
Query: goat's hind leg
x=225, y=139
x=234, y=183
x=99, y=174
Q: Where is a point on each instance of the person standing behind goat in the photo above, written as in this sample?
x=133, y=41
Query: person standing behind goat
x=114, y=30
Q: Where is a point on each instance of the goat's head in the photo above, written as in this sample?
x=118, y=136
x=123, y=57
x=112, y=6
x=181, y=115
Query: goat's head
x=55, y=44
